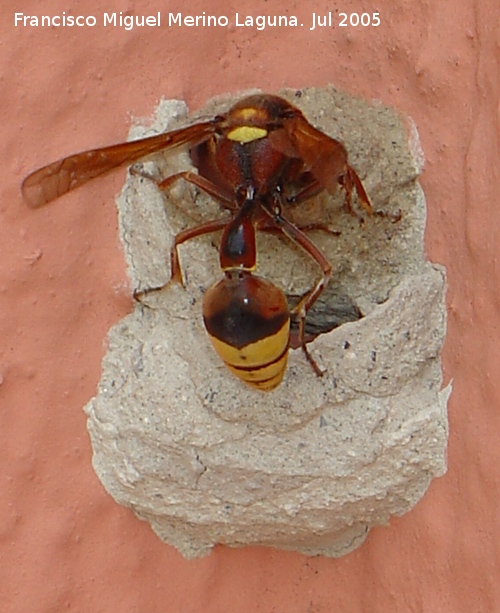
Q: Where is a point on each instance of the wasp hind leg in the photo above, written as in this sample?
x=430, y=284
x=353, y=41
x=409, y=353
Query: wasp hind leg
x=176, y=274
x=300, y=310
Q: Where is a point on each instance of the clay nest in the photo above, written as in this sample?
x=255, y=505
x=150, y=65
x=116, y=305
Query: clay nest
x=314, y=464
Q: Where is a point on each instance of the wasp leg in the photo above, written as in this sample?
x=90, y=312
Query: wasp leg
x=319, y=226
x=185, y=235
x=221, y=196
x=306, y=302
x=350, y=181
x=269, y=226
x=218, y=194
x=306, y=193
x=175, y=265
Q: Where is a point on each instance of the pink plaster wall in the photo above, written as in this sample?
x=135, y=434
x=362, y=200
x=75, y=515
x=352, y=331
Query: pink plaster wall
x=64, y=543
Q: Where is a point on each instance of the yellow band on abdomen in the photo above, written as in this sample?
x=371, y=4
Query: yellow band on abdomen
x=261, y=364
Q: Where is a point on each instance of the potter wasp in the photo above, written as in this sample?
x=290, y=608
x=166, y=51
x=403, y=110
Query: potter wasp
x=257, y=160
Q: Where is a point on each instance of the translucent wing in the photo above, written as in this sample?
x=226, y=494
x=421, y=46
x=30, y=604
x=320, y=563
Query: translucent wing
x=50, y=182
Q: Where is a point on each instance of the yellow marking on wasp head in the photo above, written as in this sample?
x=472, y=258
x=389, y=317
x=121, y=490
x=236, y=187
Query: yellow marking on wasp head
x=246, y=134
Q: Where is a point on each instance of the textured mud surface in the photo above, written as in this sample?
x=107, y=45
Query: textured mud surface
x=312, y=465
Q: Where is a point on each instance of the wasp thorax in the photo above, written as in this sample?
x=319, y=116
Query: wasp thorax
x=248, y=321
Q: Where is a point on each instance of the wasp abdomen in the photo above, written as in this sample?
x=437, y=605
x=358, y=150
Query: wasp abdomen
x=248, y=321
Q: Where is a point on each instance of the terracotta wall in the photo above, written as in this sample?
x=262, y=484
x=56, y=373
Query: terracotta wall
x=64, y=544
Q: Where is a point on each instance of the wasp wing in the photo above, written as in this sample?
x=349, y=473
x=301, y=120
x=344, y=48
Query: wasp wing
x=325, y=157
x=50, y=182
